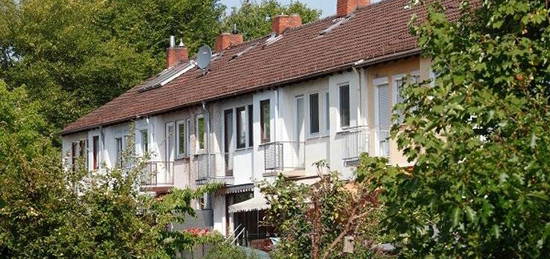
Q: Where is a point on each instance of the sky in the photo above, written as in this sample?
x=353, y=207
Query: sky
x=327, y=6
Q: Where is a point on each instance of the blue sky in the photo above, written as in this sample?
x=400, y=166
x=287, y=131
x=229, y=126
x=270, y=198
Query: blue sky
x=327, y=6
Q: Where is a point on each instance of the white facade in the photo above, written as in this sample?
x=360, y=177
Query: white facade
x=332, y=118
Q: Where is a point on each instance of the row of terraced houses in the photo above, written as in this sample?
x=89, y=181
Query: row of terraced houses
x=274, y=105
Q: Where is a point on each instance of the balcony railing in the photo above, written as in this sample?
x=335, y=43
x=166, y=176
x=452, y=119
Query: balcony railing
x=356, y=142
x=208, y=166
x=158, y=173
x=284, y=155
x=383, y=142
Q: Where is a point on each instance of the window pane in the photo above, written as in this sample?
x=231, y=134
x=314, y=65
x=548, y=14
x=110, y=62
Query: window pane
x=344, y=106
x=201, y=132
x=265, y=118
x=182, y=139
x=250, y=126
x=314, y=113
x=241, y=127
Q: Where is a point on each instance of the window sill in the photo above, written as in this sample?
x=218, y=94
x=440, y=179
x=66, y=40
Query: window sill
x=317, y=136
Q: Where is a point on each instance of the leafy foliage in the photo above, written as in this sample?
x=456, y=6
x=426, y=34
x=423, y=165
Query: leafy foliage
x=478, y=136
x=46, y=211
x=77, y=55
x=313, y=221
x=254, y=19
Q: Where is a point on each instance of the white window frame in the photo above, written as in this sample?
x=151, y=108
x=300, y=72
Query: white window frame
x=199, y=149
x=338, y=86
x=179, y=153
x=244, y=127
x=308, y=114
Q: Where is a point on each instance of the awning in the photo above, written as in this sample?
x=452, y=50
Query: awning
x=256, y=203
x=233, y=189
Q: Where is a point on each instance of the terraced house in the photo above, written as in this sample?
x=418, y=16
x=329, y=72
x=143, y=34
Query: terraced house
x=304, y=93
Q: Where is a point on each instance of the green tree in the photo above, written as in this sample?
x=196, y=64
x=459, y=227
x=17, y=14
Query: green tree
x=478, y=136
x=46, y=211
x=253, y=19
x=77, y=55
x=313, y=220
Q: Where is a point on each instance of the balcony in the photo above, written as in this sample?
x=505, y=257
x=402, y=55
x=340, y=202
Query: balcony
x=158, y=176
x=284, y=156
x=356, y=142
x=208, y=166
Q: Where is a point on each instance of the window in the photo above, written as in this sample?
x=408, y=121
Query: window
x=118, y=143
x=201, y=132
x=250, y=126
x=188, y=136
x=144, y=142
x=265, y=121
x=181, y=139
x=327, y=111
x=95, y=152
x=314, y=113
x=82, y=152
x=241, y=127
x=344, y=106
x=74, y=157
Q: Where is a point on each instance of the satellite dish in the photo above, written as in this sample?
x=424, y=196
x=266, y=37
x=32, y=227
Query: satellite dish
x=203, y=57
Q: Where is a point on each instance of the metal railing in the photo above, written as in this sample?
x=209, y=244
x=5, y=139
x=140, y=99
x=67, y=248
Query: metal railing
x=210, y=171
x=383, y=142
x=356, y=142
x=158, y=173
x=206, y=166
x=283, y=155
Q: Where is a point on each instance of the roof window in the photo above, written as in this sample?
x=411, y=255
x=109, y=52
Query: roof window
x=337, y=23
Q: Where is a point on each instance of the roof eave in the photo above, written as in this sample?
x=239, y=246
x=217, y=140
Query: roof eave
x=366, y=63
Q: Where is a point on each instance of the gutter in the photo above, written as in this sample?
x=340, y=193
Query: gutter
x=365, y=63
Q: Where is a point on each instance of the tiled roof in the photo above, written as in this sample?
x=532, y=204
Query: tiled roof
x=374, y=32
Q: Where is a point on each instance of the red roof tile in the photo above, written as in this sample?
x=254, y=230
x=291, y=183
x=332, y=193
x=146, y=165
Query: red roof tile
x=375, y=31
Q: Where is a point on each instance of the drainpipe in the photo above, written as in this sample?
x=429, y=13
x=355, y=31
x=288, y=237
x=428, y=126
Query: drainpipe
x=276, y=115
x=360, y=103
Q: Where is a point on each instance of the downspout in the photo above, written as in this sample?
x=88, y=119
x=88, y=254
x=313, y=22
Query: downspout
x=276, y=115
x=360, y=103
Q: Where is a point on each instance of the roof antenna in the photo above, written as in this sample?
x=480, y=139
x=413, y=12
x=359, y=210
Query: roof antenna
x=181, y=45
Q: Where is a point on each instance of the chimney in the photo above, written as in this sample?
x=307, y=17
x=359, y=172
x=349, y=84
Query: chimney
x=361, y=3
x=346, y=7
x=226, y=40
x=282, y=22
x=176, y=54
